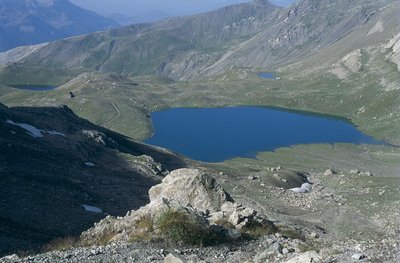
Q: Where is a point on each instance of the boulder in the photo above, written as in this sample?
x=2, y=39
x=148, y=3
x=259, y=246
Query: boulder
x=191, y=187
x=170, y=258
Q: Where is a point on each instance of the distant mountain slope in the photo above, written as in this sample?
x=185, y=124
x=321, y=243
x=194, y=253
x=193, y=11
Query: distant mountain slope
x=255, y=34
x=27, y=22
x=178, y=47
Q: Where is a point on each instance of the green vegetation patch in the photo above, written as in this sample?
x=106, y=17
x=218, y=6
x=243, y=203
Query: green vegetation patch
x=178, y=227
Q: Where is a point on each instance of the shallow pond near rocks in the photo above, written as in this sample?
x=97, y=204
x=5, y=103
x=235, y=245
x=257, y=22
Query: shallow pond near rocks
x=217, y=134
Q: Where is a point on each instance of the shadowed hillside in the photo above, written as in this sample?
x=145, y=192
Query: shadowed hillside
x=52, y=163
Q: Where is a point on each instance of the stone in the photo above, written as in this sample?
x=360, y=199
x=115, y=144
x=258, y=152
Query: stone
x=214, y=217
x=191, y=187
x=247, y=212
x=269, y=254
x=329, y=172
x=285, y=251
x=252, y=177
x=234, y=233
x=358, y=256
x=171, y=258
x=307, y=257
x=234, y=218
x=305, y=188
x=354, y=171
x=314, y=235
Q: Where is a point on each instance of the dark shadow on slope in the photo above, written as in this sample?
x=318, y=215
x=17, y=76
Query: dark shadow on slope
x=44, y=181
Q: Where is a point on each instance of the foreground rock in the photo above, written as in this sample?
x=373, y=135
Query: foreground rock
x=189, y=194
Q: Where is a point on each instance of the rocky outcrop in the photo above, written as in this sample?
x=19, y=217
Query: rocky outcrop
x=190, y=191
x=394, y=46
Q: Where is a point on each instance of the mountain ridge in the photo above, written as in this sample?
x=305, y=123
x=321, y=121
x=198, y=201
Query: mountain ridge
x=203, y=45
x=30, y=22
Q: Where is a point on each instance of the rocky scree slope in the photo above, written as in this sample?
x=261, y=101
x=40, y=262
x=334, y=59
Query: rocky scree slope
x=60, y=174
x=199, y=200
x=197, y=197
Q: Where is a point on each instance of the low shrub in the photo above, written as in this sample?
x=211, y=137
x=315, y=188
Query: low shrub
x=102, y=240
x=255, y=229
x=293, y=234
x=178, y=227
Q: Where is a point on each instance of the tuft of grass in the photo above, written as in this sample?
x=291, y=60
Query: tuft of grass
x=178, y=227
x=103, y=240
x=61, y=244
x=293, y=234
x=224, y=223
x=308, y=247
x=140, y=236
x=145, y=222
x=255, y=229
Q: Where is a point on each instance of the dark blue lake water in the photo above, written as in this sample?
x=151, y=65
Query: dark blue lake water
x=266, y=75
x=33, y=87
x=219, y=134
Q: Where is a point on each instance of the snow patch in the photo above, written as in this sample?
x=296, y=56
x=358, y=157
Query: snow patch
x=53, y=132
x=89, y=164
x=305, y=188
x=93, y=209
x=33, y=131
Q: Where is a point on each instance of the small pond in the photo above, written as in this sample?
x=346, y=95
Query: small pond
x=33, y=87
x=218, y=134
x=266, y=75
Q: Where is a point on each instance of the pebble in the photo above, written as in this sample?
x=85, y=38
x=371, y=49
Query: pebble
x=358, y=256
x=329, y=172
